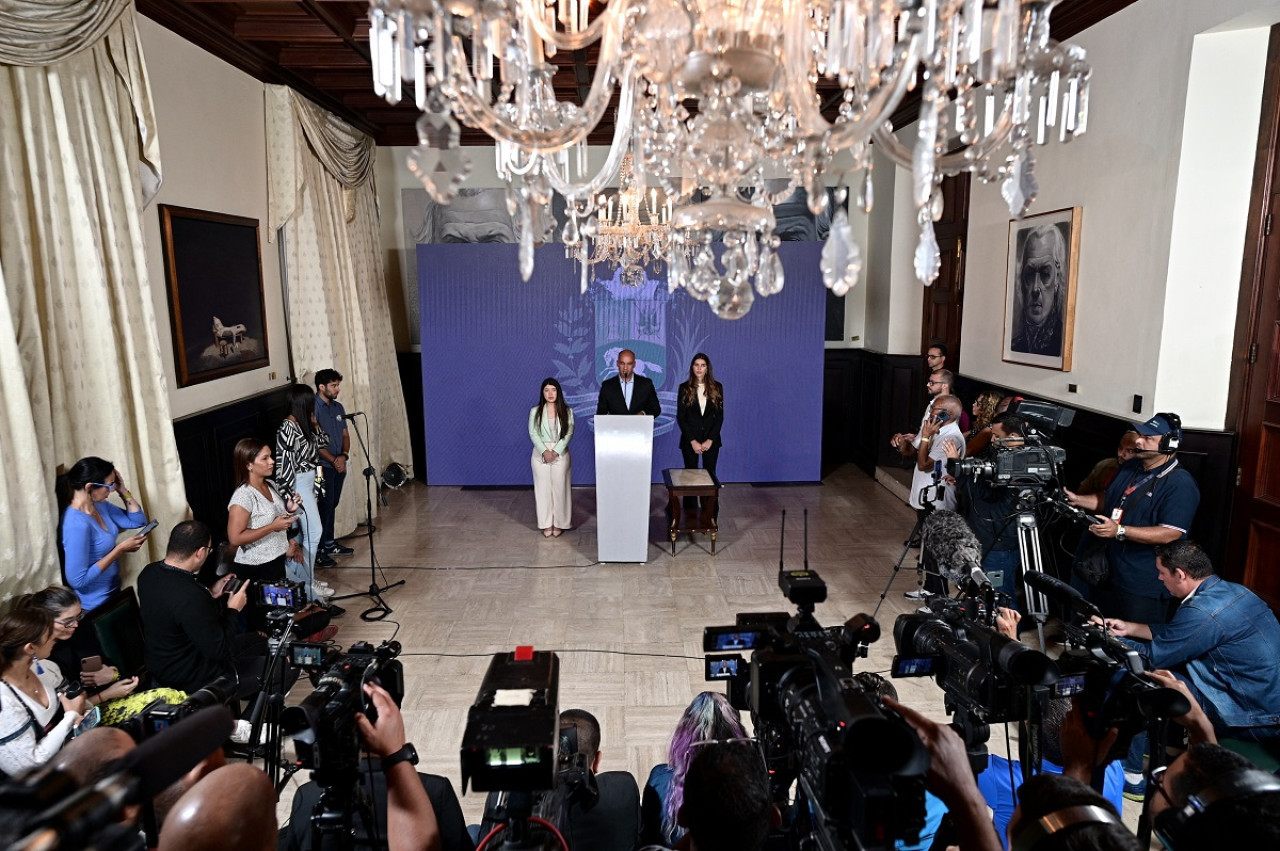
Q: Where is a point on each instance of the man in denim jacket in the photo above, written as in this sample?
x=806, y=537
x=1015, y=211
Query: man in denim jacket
x=1223, y=641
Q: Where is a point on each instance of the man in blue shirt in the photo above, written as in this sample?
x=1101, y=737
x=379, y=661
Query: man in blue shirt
x=1151, y=501
x=1224, y=642
x=333, y=461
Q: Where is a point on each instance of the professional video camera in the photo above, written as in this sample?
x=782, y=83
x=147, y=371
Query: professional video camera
x=1105, y=674
x=1035, y=463
x=860, y=767
x=323, y=726
x=982, y=672
x=160, y=715
x=513, y=748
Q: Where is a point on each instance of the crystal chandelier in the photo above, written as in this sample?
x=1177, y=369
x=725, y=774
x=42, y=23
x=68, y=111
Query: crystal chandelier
x=631, y=231
x=717, y=96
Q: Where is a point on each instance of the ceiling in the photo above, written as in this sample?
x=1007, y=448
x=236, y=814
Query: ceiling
x=320, y=48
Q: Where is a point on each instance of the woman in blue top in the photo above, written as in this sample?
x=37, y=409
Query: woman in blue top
x=91, y=525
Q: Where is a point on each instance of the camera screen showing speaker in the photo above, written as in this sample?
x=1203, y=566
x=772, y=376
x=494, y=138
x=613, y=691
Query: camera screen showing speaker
x=1069, y=685
x=719, y=638
x=914, y=666
x=306, y=655
x=282, y=595
x=722, y=667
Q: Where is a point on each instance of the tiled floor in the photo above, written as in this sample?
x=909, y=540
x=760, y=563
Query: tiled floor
x=481, y=579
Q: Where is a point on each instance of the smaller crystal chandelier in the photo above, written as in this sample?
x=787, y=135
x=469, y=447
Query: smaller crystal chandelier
x=631, y=231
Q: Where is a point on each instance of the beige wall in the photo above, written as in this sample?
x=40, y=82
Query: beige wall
x=213, y=147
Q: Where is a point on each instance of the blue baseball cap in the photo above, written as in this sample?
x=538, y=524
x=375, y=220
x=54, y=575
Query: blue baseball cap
x=1154, y=427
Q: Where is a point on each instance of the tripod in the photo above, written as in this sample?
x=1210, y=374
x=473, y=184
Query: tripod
x=928, y=495
x=379, y=609
x=268, y=705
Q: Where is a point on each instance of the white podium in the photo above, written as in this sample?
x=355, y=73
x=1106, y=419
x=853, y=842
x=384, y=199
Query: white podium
x=624, y=458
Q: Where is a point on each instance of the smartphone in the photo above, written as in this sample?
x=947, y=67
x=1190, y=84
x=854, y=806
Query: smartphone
x=146, y=530
x=90, y=664
x=235, y=584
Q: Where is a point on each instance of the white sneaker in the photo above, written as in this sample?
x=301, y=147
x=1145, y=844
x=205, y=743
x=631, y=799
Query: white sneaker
x=243, y=730
x=322, y=589
x=918, y=594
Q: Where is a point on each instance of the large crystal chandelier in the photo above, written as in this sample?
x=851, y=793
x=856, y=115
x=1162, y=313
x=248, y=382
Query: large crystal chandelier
x=717, y=96
x=631, y=232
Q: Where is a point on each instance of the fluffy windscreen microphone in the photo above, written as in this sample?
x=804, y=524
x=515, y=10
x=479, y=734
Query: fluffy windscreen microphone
x=952, y=545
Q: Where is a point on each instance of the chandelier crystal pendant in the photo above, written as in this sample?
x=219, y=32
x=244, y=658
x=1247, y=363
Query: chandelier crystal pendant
x=716, y=97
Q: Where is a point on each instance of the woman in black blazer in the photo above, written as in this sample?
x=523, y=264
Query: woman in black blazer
x=700, y=413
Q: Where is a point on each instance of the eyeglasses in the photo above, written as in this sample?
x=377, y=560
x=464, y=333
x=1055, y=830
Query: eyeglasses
x=1157, y=782
x=109, y=487
x=69, y=622
x=934, y=383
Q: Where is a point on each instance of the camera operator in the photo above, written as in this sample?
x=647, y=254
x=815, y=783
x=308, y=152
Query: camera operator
x=1151, y=501
x=413, y=810
x=1059, y=813
x=1210, y=797
x=192, y=639
x=990, y=508
x=1223, y=640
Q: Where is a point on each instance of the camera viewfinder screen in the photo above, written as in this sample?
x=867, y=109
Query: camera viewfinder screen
x=307, y=656
x=723, y=667
x=277, y=595
x=1069, y=685
x=714, y=639
x=908, y=666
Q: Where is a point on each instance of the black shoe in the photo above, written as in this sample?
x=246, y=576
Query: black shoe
x=336, y=549
x=335, y=611
x=323, y=560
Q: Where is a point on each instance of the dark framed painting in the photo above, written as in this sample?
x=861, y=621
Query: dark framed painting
x=1040, y=289
x=213, y=268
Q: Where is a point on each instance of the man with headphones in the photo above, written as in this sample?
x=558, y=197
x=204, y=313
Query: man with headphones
x=1151, y=501
x=1210, y=797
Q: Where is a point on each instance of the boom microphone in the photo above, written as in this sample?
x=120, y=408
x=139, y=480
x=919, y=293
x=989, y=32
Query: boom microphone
x=1060, y=592
x=355, y=413
x=953, y=545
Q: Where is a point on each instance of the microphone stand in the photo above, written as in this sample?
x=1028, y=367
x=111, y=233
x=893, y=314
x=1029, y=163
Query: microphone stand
x=379, y=609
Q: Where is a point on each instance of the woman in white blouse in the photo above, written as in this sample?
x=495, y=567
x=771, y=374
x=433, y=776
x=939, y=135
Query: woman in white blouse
x=35, y=720
x=551, y=429
x=258, y=522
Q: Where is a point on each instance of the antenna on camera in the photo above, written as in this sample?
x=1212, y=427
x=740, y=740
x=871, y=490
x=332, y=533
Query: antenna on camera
x=806, y=539
x=782, y=538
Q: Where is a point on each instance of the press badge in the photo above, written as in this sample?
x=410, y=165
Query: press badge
x=1117, y=514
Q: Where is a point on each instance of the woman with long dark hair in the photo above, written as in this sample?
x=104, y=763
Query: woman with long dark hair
x=35, y=721
x=700, y=414
x=90, y=525
x=551, y=429
x=297, y=461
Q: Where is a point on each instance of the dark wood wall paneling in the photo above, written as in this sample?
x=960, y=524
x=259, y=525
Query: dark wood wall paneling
x=869, y=395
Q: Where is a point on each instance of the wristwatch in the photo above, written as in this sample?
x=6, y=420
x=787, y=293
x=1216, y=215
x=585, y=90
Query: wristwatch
x=1119, y=532
x=406, y=754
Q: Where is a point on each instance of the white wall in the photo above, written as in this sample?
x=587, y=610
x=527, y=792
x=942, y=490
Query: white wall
x=1127, y=172
x=212, y=130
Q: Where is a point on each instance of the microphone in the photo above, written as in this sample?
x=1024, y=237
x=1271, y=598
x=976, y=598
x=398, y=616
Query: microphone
x=1060, y=592
x=355, y=413
x=954, y=547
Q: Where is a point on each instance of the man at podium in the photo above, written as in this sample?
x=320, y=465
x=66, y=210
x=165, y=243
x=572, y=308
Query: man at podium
x=626, y=392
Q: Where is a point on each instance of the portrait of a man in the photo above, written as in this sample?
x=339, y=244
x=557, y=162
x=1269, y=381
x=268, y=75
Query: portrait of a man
x=1040, y=298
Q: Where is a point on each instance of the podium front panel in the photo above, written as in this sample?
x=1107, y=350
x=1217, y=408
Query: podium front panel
x=624, y=460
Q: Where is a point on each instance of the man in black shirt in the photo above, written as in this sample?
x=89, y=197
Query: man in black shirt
x=191, y=637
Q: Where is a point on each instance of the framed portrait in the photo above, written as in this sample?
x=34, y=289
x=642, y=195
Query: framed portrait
x=213, y=269
x=1040, y=289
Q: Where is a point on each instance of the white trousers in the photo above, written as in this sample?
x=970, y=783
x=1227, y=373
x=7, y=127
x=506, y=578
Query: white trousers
x=551, y=490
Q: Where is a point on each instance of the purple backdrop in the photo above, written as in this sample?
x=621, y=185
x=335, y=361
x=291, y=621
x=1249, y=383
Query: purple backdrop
x=488, y=341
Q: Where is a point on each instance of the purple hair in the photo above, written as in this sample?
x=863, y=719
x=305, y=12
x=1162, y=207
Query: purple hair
x=709, y=716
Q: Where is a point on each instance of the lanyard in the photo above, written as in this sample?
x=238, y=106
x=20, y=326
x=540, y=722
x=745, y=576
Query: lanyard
x=1142, y=483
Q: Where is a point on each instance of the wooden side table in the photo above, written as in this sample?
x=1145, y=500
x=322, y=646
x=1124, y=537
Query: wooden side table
x=696, y=483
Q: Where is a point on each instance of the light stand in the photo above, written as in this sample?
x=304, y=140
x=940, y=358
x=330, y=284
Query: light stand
x=928, y=494
x=379, y=609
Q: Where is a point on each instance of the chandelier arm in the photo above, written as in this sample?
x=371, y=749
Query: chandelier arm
x=956, y=161
x=572, y=41
x=478, y=111
x=881, y=104
x=617, y=148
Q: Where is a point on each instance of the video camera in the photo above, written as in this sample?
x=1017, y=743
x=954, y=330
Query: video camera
x=859, y=765
x=1035, y=463
x=981, y=671
x=323, y=726
x=281, y=594
x=160, y=715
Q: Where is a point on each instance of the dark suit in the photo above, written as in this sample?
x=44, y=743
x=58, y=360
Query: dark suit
x=699, y=425
x=644, y=398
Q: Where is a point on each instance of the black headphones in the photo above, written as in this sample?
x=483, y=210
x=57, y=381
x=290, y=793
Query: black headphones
x=1170, y=441
x=1030, y=833
x=1247, y=781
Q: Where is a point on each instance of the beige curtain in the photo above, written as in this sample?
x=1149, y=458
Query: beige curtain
x=322, y=195
x=79, y=358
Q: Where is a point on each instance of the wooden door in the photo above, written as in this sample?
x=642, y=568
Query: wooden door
x=944, y=301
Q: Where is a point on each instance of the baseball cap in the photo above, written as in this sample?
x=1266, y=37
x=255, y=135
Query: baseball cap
x=1157, y=425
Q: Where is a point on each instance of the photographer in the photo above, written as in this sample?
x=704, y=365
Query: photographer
x=413, y=810
x=1210, y=797
x=990, y=509
x=1151, y=501
x=1223, y=639
x=192, y=638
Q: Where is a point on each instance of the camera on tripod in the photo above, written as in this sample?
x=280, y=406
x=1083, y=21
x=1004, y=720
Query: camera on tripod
x=1108, y=678
x=860, y=767
x=323, y=726
x=1035, y=462
x=282, y=594
x=981, y=671
x=160, y=715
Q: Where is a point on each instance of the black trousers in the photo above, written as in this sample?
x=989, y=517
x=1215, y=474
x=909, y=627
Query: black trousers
x=328, y=504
